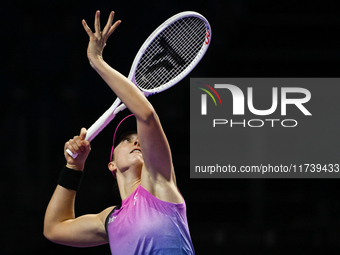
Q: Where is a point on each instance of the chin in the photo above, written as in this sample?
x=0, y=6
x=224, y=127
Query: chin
x=138, y=161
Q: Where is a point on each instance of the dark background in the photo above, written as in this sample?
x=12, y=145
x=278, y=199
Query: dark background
x=48, y=92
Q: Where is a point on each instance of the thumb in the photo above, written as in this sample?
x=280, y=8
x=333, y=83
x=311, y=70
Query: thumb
x=82, y=133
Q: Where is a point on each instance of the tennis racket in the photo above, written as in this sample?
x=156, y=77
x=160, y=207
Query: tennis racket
x=168, y=55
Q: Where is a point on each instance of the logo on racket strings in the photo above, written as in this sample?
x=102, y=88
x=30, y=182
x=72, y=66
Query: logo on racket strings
x=162, y=58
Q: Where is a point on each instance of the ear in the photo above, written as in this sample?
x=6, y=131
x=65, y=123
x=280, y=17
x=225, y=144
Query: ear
x=112, y=166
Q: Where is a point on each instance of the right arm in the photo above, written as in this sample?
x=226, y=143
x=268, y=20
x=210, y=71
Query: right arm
x=60, y=224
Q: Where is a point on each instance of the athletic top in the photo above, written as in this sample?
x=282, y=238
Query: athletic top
x=144, y=224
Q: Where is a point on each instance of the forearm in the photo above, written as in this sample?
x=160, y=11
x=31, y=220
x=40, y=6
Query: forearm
x=59, y=209
x=128, y=93
x=61, y=206
x=62, y=227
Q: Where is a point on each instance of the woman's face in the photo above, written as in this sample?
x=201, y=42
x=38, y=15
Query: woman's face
x=128, y=153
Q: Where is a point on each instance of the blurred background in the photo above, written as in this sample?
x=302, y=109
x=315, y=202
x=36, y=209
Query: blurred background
x=48, y=91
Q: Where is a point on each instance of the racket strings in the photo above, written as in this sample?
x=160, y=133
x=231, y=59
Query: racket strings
x=170, y=53
x=182, y=45
x=190, y=33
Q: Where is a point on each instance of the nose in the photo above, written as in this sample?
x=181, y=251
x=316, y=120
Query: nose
x=136, y=142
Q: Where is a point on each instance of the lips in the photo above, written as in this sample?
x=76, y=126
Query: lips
x=136, y=151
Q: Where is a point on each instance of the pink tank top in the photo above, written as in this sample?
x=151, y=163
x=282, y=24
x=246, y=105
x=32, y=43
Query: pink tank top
x=145, y=224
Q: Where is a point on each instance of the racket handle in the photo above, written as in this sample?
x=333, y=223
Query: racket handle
x=74, y=156
x=98, y=126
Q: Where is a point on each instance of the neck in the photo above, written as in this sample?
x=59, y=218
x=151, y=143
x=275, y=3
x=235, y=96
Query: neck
x=127, y=183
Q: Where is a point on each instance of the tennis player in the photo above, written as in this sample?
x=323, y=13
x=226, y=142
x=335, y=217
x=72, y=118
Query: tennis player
x=152, y=217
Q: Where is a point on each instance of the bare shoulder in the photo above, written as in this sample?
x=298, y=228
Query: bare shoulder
x=103, y=215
